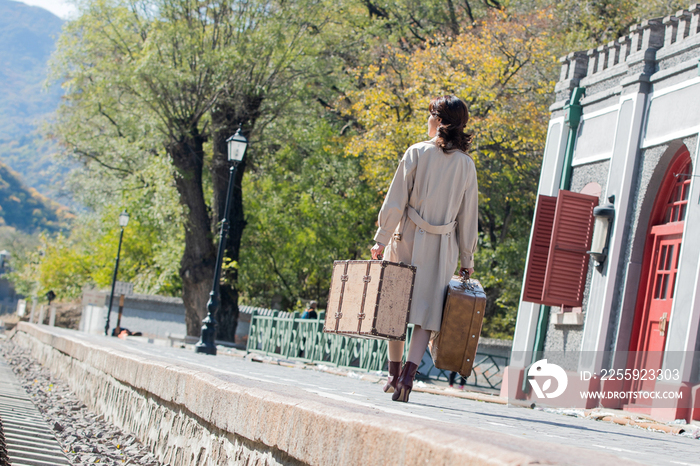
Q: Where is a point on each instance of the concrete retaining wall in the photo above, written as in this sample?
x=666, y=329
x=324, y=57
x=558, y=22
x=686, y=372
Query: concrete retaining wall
x=174, y=433
x=192, y=417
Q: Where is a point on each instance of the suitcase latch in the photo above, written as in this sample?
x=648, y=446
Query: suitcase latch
x=367, y=278
x=338, y=315
x=344, y=278
x=361, y=315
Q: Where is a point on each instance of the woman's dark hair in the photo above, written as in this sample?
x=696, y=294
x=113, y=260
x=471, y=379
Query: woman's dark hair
x=454, y=115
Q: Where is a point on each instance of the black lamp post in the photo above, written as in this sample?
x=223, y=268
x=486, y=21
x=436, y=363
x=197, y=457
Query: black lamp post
x=237, y=145
x=123, y=222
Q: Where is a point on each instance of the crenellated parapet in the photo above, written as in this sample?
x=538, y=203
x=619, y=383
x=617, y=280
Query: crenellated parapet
x=630, y=59
x=682, y=25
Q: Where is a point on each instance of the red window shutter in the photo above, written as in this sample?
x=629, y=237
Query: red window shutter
x=539, y=249
x=567, y=264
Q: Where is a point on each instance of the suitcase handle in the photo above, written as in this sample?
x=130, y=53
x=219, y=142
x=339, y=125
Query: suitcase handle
x=466, y=284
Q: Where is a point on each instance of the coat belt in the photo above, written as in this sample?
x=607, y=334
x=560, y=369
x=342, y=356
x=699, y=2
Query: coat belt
x=423, y=225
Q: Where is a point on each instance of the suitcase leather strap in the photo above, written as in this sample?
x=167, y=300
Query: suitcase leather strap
x=360, y=317
x=423, y=225
x=339, y=313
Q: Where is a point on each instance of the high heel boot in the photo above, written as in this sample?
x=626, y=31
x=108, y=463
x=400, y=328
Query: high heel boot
x=394, y=370
x=404, y=384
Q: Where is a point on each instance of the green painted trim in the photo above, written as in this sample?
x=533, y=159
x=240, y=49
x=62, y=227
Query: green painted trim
x=573, y=110
x=540, y=334
x=573, y=117
x=542, y=323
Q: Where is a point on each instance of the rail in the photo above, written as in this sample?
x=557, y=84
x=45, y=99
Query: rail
x=28, y=440
x=286, y=335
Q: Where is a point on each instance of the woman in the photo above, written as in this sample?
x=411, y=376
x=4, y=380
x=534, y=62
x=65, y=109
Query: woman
x=429, y=219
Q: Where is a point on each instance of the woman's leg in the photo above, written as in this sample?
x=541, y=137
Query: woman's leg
x=394, y=366
x=395, y=350
x=453, y=376
x=419, y=342
x=404, y=384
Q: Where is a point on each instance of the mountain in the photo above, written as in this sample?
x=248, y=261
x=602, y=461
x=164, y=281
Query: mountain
x=27, y=38
x=25, y=209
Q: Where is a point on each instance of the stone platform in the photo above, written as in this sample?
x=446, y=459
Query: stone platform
x=196, y=409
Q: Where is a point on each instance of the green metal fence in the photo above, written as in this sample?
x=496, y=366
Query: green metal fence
x=286, y=335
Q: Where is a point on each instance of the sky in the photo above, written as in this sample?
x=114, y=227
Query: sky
x=61, y=8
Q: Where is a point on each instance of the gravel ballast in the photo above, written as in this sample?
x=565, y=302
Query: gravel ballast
x=85, y=437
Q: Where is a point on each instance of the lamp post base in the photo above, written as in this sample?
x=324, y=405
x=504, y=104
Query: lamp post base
x=205, y=349
x=206, y=343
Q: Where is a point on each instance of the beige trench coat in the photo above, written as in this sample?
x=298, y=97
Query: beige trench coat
x=429, y=219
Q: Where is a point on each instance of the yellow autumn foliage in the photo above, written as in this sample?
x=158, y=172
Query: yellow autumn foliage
x=502, y=68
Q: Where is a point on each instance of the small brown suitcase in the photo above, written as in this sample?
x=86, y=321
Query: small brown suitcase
x=454, y=347
x=370, y=299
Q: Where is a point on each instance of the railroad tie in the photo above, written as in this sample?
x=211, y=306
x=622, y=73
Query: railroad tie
x=26, y=438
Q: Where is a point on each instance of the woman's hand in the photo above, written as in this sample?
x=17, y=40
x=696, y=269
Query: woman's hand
x=470, y=271
x=377, y=251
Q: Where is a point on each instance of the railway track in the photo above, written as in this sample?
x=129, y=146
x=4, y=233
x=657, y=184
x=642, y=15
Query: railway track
x=28, y=440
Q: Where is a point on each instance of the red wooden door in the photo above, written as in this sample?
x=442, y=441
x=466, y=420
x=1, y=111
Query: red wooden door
x=659, y=300
x=662, y=255
x=667, y=250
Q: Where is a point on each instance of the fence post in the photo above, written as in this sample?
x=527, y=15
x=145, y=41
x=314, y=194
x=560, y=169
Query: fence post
x=52, y=316
x=42, y=314
x=250, y=333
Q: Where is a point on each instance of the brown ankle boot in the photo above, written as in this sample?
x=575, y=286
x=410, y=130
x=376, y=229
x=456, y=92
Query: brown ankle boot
x=394, y=370
x=404, y=384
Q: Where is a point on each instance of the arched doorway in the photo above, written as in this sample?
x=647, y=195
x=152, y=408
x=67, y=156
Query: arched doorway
x=662, y=253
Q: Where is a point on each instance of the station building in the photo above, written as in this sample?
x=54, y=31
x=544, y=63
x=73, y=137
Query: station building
x=612, y=277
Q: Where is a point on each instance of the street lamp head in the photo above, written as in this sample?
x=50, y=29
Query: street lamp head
x=123, y=219
x=237, y=145
x=601, y=232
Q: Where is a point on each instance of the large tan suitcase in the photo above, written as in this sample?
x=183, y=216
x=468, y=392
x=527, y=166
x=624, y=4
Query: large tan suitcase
x=454, y=347
x=370, y=299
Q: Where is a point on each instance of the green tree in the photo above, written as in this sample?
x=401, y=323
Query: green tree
x=306, y=208
x=85, y=258
x=151, y=78
x=582, y=24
